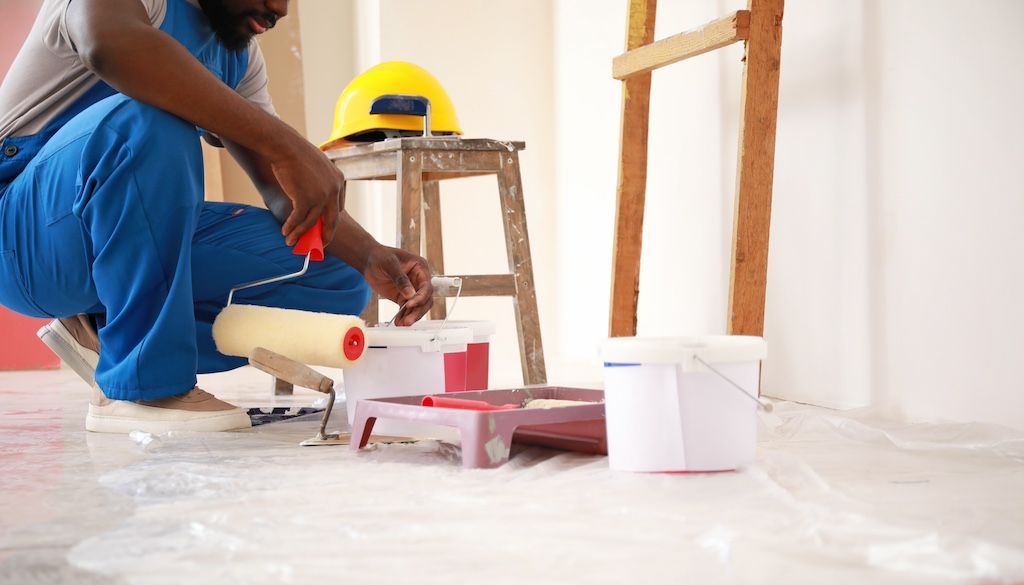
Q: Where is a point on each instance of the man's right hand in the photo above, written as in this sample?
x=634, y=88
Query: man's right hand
x=314, y=185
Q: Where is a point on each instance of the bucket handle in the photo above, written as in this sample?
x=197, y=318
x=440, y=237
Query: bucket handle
x=765, y=406
x=447, y=282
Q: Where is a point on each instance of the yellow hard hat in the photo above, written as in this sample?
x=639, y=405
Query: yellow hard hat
x=388, y=100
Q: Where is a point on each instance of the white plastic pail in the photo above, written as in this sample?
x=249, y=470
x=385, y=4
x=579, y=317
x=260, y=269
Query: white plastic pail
x=402, y=361
x=667, y=411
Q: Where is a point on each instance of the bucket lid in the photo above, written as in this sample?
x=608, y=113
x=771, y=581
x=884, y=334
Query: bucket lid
x=425, y=339
x=683, y=350
x=480, y=328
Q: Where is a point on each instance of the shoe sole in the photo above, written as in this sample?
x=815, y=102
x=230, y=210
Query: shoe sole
x=82, y=361
x=229, y=421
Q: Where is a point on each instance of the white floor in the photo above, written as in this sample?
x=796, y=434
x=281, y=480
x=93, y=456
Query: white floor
x=833, y=498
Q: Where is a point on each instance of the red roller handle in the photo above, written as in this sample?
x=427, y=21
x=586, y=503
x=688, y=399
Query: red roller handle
x=312, y=242
x=464, y=404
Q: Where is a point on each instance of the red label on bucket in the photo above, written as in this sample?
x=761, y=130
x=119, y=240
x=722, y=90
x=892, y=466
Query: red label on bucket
x=455, y=372
x=477, y=355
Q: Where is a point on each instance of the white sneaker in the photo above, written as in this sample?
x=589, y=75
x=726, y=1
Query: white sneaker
x=196, y=410
x=75, y=343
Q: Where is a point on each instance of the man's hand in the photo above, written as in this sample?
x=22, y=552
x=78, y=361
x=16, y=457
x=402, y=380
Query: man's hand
x=315, y=187
x=403, y=278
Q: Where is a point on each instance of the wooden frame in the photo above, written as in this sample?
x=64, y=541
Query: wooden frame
x=761, y=27
x=418, y=165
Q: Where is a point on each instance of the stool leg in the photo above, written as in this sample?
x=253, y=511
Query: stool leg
x=434, y=241
x=410, y=194
x=372, y=313
x=517, y=244
x=409, y=180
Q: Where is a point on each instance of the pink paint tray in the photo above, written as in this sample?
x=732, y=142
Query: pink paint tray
x=488, y=435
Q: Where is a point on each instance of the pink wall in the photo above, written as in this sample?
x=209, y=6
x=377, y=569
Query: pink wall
x=15, y=24
x=19, y=347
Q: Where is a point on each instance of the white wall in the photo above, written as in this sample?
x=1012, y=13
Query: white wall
x=947, y=201
x=818, y=320
x=328, y=60
x=895, y=268
x=586, y=134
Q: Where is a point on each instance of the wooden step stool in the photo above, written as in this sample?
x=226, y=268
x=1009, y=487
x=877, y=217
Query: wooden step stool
x=417, y=165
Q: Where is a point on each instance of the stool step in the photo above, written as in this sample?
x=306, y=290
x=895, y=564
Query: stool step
x=484, y=285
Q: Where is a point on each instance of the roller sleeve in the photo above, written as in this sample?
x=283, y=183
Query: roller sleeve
x=321, y=339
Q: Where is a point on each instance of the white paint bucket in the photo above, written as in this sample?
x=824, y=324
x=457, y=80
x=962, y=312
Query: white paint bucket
x=402, y=361
x=478, y=351
x=668, y=411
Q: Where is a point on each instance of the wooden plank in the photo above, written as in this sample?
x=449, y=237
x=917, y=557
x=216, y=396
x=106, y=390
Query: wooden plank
x=429, y=176
x=437, y=165
x=465, y=144
x=759, y=102
x=447, y=175
x=713, y=35
x=370, y=166
x=434, y=242
x=486, y=285
x=632, y=181
x=410, y=194
x=456, y=161
x=517, y=244
x=440, y=144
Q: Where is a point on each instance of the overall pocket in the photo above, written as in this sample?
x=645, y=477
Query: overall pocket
x=13, y=293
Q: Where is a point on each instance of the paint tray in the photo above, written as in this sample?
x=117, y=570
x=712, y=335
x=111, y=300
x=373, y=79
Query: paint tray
x=488, y=435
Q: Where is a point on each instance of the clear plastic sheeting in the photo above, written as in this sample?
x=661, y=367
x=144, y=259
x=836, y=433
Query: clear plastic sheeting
x=842, y=497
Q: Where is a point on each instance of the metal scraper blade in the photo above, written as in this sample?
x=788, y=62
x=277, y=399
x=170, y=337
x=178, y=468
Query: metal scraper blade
x=346, y=438
x=327, y=439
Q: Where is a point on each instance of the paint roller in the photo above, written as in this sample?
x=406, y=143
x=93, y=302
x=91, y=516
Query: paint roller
x=282, y=341
x=321, y=339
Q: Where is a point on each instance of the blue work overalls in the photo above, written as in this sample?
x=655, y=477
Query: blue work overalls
x=102, y=212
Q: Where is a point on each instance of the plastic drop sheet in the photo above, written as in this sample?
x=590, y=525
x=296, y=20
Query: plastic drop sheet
x=833, y=497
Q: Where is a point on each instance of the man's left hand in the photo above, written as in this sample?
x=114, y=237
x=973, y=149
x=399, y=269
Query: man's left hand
x=402, y=278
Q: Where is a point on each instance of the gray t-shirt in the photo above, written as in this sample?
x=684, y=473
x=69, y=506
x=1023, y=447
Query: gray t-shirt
x=48, y=75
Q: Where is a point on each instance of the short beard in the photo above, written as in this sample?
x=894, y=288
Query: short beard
x=225, y=25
